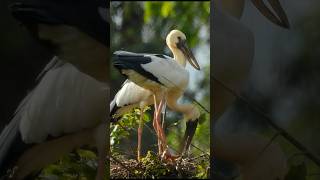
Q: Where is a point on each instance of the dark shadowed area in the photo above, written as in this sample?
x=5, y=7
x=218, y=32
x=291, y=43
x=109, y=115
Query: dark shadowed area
x=21, y=59
x=284, y=81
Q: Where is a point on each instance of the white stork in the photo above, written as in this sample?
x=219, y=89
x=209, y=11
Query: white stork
x=68, y=108
x=161, y=78
x=128, y=97
x=234, y=47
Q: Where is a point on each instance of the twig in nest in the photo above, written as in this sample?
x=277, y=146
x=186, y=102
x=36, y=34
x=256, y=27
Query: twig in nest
x=121, y=164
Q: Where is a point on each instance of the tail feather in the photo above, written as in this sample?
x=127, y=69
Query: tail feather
x=113, y=106
x=113, y=110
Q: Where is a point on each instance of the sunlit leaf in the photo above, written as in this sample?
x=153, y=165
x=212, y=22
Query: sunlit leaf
x=166, y=8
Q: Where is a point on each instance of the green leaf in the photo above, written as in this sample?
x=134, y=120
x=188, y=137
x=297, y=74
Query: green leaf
x=166, y=9
x=86, y=154
x=147, y=12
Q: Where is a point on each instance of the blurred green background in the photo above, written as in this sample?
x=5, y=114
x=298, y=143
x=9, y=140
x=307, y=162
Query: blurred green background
x=142, y=27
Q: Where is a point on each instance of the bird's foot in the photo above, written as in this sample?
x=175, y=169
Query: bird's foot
x=169, y=156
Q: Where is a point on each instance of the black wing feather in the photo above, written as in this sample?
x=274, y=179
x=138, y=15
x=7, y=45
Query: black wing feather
x=133, y=61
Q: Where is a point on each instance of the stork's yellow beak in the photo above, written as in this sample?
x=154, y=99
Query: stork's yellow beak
x=279, y=17
x=182, y=45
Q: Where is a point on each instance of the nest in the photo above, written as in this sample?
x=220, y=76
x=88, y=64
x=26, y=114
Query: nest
x=151, y=166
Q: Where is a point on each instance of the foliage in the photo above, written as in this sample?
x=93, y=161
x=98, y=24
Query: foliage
x=127, y=123
x=151, y=167
x=81, y=164
x=181, y=15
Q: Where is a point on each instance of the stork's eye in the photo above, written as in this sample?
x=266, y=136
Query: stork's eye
x=179, y=43
x=179, y=39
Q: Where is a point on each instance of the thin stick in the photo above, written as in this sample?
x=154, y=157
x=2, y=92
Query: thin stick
x=121, y=164
x=268, y=119
x=191, y=98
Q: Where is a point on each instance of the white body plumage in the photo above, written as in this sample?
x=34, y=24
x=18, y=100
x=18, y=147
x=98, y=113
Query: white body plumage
x=169, y=73
x=49, y=112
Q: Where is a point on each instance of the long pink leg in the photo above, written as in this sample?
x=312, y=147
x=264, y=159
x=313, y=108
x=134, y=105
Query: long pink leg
x=162, y=141
x=155, y=125
x=140, y=133
x=165, y=153
x=160, y=129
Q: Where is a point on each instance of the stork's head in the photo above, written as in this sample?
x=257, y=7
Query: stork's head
x=176, y=40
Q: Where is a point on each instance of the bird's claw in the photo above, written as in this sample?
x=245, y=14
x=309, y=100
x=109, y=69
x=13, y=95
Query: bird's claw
x=168, y=156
